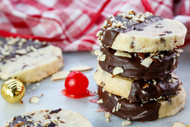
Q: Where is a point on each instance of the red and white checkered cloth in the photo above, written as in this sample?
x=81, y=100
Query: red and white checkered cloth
x=72, y=24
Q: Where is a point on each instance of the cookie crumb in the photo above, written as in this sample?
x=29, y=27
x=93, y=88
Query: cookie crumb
x=178, y=124
x=34, y=99
x=37, y=84
x=107, y=114
x=108, y=119
x=126, y=122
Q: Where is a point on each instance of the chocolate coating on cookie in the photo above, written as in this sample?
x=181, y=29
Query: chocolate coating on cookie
x=15, y=47
x=127, y=110
x=123, y=23
x=153, y=90
x=159, y=68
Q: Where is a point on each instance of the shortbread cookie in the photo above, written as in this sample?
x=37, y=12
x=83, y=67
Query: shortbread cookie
x=142, y=112
x=134, y=64
x=141, y=33
x=138, y=90
x=49, y=118
x=29, y=62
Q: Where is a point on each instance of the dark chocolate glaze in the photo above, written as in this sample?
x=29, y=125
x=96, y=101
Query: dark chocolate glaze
x=109, y=37
x=16, y=47
x=132, y=66
x=146, y=91
x=111, y=34
x=131, y=111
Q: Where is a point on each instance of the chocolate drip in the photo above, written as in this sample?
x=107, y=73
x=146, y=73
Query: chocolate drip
x=131, y=111
x=132, y=67
x=146, y=91
x=15, y=47
x=111, y=34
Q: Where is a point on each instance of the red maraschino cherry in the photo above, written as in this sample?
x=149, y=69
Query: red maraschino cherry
x=76, y=85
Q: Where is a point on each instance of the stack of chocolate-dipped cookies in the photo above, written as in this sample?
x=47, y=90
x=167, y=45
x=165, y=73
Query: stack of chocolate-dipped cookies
x=135, y=75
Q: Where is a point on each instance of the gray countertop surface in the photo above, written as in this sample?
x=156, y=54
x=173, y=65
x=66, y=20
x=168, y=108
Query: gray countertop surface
x=53, y=98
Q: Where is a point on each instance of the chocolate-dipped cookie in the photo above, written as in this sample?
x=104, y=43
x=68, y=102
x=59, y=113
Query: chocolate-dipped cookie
x=49, y=118
x=133, y=32
x=29, y=61
x=162, y=63
x=142, y=112
x=142, y=91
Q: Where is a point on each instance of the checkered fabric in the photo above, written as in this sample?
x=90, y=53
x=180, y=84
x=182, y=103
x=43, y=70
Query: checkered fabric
x=72, y=24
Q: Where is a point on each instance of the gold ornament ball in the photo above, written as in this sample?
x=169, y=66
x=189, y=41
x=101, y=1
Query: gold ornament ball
x=12, y=90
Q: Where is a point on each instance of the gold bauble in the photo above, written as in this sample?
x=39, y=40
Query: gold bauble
x=12, y=90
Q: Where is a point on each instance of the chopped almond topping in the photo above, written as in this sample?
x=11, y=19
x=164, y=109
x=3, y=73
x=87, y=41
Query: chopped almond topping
x=122, y=54
x=19, y=124
x=100, y=101
x=102, y=57
x=147, y=62
x=117, y=70
x=145, y=86
x=109, y=23
x=131, y=12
